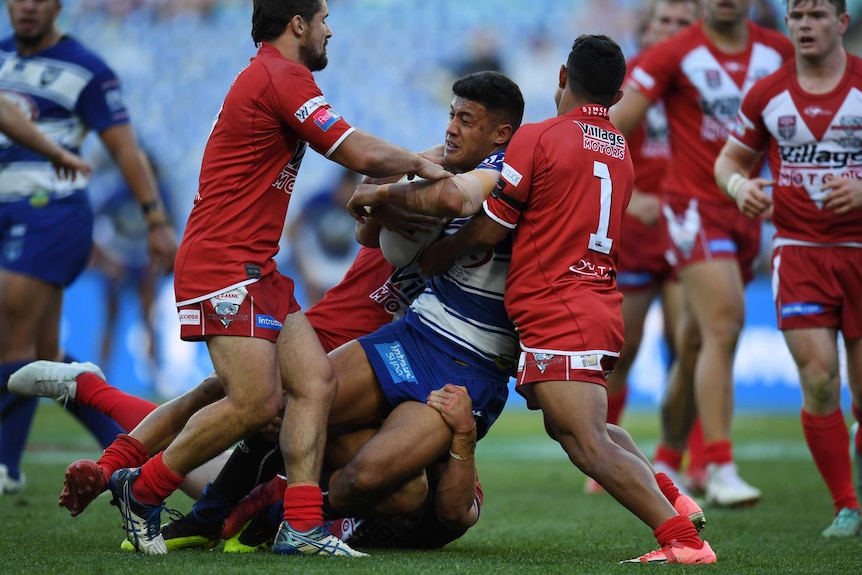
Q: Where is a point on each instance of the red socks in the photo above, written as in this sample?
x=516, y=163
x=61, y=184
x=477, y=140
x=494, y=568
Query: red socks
x=679, y=528
x=127, y=410
x=695, y=446
x=156, y=481
x=125, y=451
x=828, y=442
x=616, y=404
x=669, y=456
x=303, y=507
x=719, y=452
x=667, y=487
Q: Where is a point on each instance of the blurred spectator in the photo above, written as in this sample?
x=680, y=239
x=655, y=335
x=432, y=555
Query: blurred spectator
x=120, y=252
x=323, y=237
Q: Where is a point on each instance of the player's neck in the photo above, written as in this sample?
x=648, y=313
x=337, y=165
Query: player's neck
x=821, y=76
x=727, y=37
x=43, y=43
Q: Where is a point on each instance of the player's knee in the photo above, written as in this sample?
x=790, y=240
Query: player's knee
x=820, y=385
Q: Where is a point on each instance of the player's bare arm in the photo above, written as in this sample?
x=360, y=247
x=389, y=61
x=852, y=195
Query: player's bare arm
x=629, y=112
x=456, y=505
x=843, y=195
x=22, y=131
x=644, y=207
x=402, y=222
x=732, y=167
x=480, y=234
x=120, y=142
x=369, y=155
x=460, y=195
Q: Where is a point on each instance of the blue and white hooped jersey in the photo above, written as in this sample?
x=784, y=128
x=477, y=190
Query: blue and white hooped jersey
x=67, y=91
x=465, y=305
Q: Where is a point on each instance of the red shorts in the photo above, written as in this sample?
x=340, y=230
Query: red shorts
x=590, y=367
x=818, y=287
x=253, y=310
x=702, y=232
x=643, y=256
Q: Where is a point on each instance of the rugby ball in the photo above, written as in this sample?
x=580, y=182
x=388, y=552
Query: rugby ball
x=400, y=251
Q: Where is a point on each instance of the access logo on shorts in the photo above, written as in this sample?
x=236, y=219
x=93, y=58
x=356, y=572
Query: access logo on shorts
x=396, y=362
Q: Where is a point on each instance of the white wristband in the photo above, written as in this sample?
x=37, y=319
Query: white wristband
x=734, y=182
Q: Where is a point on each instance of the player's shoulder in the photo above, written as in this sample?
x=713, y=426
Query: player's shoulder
x=854, y=67
x=72, y=50
x=771, y=38
x=776, y=82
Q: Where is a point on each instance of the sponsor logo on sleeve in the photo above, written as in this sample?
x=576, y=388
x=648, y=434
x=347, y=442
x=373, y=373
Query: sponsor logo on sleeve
x=640, y=76
x=325, y=118
x=306, y=109
x=511, y=175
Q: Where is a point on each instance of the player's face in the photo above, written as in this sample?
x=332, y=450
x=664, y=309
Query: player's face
x=32, y=20
x=669, y=18
x=471, y=135
x=726, y=12
x=815, y=28
x=312, y=51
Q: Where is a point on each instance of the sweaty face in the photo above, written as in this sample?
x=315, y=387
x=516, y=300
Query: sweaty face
x=312, y=51
x=668, y=19
x=471, y=135
x=815, y=28
x=726, y=12
x=32, y=20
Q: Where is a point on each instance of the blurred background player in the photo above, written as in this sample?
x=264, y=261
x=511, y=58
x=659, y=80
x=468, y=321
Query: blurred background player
x=120, y=255
x=46, y=222
x=644, y=271
x=702, y=74
x=806, y=118
x=322, y=237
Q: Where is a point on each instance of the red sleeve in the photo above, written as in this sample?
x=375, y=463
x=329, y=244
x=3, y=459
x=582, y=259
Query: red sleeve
x=512, y=194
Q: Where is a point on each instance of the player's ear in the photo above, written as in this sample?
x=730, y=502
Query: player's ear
x=617, y=98
x=564, y=77
x=504, y=134
x=296, y=25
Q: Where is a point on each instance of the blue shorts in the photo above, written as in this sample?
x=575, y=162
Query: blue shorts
x=47, y=238
x=410, y=364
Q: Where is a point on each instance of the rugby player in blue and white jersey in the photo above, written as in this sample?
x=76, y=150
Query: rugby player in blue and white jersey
x=45, y=220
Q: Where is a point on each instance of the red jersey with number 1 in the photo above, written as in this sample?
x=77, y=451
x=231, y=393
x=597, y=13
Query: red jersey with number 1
x=810, y=139
x=566, y=183
x=271, y=113
x=702, y=89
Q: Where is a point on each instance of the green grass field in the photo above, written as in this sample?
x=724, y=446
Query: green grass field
x=535, y=518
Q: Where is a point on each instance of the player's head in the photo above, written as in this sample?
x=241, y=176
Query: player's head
x=722, y=14
x=486, y=109
x=664, y=18
x=304, y=20
x=594, y=71
x=33, y=20
x=816, y=27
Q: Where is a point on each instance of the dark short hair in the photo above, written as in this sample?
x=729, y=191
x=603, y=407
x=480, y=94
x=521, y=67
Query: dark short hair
x=596, y=68
x=840, y=5
x=269, y=18
x=495, y=91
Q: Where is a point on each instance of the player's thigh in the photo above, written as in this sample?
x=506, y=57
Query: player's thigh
x=359, y=399
x=672, y=307
x=305, y=369
x=575, y=411
x=636, y=304
x=247, y=368
x=715, y=295
x=412, y=437
x=24, y=303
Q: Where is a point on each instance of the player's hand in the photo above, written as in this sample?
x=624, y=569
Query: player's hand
x=67, y=165
x=162, y=246
x=434, y=154
x=432, y=171
x=436, y=259
x=455, y=406
x=402, y=222
x=364, y=197
x=753, y=201
x=842, y=195
x=645, y=207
